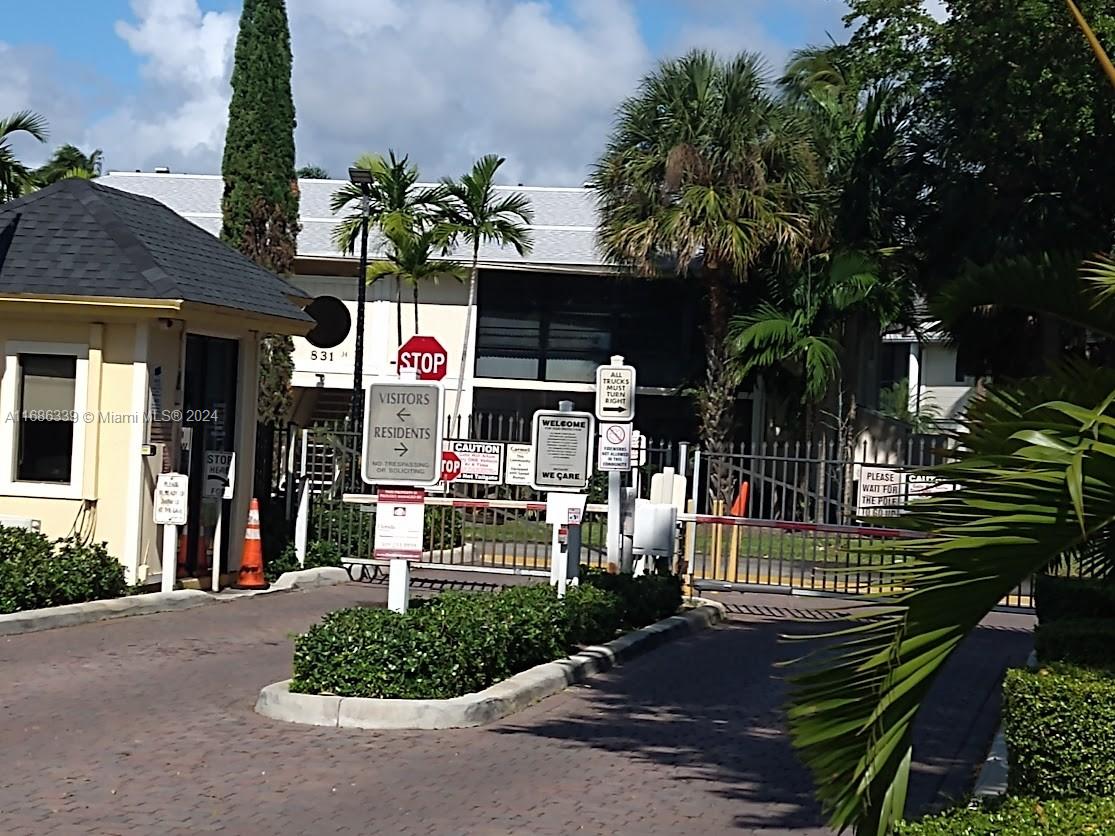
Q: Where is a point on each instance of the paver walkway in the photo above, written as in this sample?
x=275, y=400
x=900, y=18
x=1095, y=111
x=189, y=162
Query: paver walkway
x=145, y=726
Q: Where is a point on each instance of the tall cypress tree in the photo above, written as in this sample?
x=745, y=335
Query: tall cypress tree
x=260, y=202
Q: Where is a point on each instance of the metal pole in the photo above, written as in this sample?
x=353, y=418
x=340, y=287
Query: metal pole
x=361, y=297
x=170, y=557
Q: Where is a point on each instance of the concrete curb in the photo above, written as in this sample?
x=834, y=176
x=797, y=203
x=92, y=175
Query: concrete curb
x=992, y=781
x=310, y=578
x=69, y=615
x=500, y=700
x=993, y=775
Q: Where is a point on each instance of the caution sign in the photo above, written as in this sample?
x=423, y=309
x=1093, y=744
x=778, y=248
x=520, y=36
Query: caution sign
x=481, y=461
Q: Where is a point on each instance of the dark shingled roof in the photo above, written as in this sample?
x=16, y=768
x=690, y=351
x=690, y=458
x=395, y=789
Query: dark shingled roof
x=80, y=238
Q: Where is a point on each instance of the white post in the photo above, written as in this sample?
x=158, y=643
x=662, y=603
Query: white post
x=170, y=557
x=215, y=581
x=302, y=522
x=398, y=585
x=561, y=564
x=555, y=554
x=627, y=528
x=615, y=520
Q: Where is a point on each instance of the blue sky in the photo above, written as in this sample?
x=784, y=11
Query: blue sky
x=536, y=80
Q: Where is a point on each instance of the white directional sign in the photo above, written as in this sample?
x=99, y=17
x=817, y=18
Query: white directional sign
x=614, y=447
x=615, y=393
x=520, y=464
x=403, y=423
x=562, y=450
x=171, y=491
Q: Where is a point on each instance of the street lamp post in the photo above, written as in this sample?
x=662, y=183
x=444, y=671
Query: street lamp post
x=362, y=178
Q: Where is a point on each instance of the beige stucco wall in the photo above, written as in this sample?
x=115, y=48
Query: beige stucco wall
x=105, y=412
x=122, y=392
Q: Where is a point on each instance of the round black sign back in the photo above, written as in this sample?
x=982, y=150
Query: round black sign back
x=333, y=322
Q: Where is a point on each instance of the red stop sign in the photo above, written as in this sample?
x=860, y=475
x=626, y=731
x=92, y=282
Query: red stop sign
x=450, y=466
x=425, y=356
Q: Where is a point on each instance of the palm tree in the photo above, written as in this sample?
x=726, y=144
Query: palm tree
x=15, y=177
x=411, y=255
x=706, y=175
x=69, y=161
x=797, y=337
x=393, y=192
x=481, y=215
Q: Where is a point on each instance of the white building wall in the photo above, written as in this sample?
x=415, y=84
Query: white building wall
x=939, y=385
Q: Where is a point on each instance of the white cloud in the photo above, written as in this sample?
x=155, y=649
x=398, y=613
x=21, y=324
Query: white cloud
x=442, y=80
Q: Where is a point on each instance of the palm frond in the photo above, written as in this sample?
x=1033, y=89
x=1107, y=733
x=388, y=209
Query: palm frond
x=1033, y=480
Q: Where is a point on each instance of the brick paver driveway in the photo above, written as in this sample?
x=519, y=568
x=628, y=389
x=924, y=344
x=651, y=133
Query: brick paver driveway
x=145, y=726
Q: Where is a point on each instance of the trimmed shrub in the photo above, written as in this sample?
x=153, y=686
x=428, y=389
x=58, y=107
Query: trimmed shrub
x=1058, y=598
x=646, y=599
x=1081, y=641
x=1059, y=724
x=1020, y=817
x=35, y=573
x=456, y=644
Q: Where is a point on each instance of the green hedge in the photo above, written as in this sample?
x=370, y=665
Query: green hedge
x=1021, y=817
x=318, y=554
x=457, y=644
x=1059, y=598
x=36, y=573
x=646, y=598
x=1081, y=641
x=1059, y=724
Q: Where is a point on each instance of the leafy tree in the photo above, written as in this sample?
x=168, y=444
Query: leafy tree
x=394, y=200
x=260, y=201
x=312, y=172
x=15, y=177
x=798, y=335
x=894, y=402
x=69, y=161
x=708, y=175
x=480, y=215
x=1034, y=482
x=412, y=255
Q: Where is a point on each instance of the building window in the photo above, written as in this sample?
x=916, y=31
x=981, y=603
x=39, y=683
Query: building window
x=45, y=418
x=560, y=327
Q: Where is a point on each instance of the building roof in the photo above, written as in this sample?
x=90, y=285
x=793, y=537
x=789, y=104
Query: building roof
x=564, y=227
x=82, y=238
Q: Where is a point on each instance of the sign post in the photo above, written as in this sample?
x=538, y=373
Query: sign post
x=615, y=403
x=220, y=470
x=402, y=446
x=398, y=538
x=171, y=493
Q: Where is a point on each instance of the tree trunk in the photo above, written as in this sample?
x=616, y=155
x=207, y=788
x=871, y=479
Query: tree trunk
x=473, y=276
x=415, y=290
x=717, y=408
x=399, y=310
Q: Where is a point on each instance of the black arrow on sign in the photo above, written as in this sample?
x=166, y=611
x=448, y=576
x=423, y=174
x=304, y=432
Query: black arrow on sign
x=615, y=409
x=401, y=449
x=403, y=414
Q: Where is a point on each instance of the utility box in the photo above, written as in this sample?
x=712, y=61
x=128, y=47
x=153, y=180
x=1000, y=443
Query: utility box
x=655, y=528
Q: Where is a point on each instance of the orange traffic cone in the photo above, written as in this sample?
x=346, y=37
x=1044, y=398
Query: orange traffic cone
x=251, y=560
x=739, y=507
